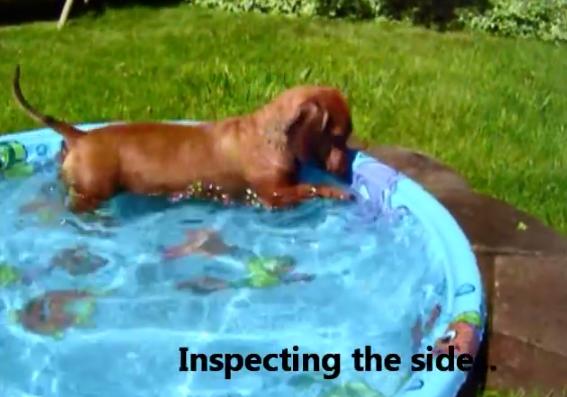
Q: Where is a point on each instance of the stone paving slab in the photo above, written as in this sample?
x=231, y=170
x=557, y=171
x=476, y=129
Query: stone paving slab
x=494, y=227
x=522, y=366
x=529, y=322
x=536, y=315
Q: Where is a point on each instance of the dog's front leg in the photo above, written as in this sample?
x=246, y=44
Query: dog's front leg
x=279, y=197
x=200, y=190
x=81, y=203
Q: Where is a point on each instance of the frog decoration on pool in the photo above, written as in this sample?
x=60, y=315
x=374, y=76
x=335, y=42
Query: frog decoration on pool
x=463, y=333
x=346, y=389
x=54, y=312
x=9, y=275
x=77, y=261
x=261, y=272
x=13, y=163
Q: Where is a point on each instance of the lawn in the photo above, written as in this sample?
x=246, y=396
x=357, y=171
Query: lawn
x=494, y=109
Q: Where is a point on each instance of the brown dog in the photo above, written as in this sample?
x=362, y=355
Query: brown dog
x=260, y=152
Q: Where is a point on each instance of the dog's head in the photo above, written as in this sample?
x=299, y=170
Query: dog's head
x=316, y=125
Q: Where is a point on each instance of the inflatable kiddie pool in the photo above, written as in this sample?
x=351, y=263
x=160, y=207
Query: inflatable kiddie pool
x=91, y=306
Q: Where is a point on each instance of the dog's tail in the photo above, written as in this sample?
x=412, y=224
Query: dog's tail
x=69, y=133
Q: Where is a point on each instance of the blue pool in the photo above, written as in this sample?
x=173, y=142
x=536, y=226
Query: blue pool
x=100, y=305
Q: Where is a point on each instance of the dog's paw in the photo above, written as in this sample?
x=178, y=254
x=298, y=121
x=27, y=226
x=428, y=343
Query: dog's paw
x=334, y=193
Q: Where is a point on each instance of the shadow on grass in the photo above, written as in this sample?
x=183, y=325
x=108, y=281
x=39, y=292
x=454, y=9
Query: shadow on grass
x=14, y=12
x=145, y=3
x=439, y=14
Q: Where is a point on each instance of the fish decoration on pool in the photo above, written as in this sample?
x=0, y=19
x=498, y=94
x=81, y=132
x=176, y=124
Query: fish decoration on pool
x=262, y=273
x=352, y=389
x=76, y=261
x=421, y=329
x=463, y=333
x=49, y=203
x=54, y=312
x=49, y=207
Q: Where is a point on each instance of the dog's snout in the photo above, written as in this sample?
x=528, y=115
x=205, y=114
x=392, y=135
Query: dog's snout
x=337, y=162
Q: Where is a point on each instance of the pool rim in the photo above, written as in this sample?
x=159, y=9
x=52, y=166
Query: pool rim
x=460, y=265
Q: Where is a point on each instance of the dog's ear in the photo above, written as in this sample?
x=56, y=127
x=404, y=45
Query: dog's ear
x=308, y=116
x=305, y=128
x=294, y=131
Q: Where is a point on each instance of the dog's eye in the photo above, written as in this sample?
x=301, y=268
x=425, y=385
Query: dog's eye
x=338, y=139
x=449, y=336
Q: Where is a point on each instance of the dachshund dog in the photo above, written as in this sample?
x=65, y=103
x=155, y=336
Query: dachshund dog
x=256, y=155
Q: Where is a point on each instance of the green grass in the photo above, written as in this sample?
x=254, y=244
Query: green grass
x=495, y=109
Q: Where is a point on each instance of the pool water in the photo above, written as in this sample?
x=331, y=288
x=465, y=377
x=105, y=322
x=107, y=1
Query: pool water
x=356, y=283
